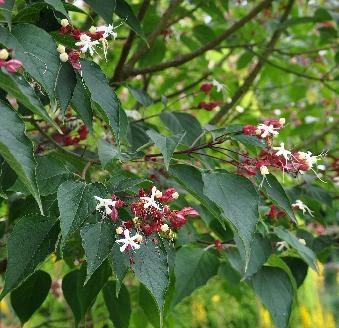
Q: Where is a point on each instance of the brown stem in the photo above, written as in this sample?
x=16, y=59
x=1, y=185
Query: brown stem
x=251, y=77
x=208, y=46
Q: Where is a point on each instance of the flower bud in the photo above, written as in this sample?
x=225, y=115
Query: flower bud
x=164, y=227
x=282, y=120
x=302, y=241
x=4, y=54
x=64, y=22
x=139, y=238
x=63, y=57
x=61, y=48
x=258, y=132
x=239, y=109
x=119, y=230
x=136, y=220
x=158, y=194
x=175, y=195
x=229, y=100
x=93, y=29
x=264, y=170
x=84, y=37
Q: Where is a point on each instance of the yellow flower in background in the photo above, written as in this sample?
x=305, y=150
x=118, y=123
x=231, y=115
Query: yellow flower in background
x=329, y=320
x=216, y=298
x=265, y=317
x=305, y=318
x=199, y=312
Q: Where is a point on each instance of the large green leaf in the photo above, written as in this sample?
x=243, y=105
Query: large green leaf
x=58, y=6
x=274, y=288
x=121, y=265
x=191, y=179
x=36, y=49
x=19, y=88
x=167, y=145
x=32, y=239
x=50, y=174
x=105, y=100
x=97, y=240
x=306, y=253
x=277, y=193
x=81, y=297
x=240, y=208
x=193, y=268
x=27, y=298
x=81, y=102
x=66, y=82
x=151, y=268
x=141, y=96
x=149, y=306
x=17, y=149
x=6, y=12
x=182, y=122
x=76, y=202
x=118, y=306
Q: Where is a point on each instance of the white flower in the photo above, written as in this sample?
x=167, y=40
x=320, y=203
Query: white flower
x=308, y=157
x=299, y=204
x=150, y=201
x=135, y=115
x=175, y=195
x=64, y=22
x=128, y=241
x=106, y=203
x=281, y=151
x=218, y=85
x=228, y=100
x=277, y=111
x=321, y=167
x=86, y=44
x=268, y=130
x=311, y=119
x=108, y=30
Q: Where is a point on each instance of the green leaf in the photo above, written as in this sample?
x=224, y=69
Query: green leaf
x=191, y=179
x=306, y=253
x=36, y=49
x=17, y=150
x=97, y=240
x=249, y=140
x=27, y=298
x=239, y=208
x=76, y=202
x=6, y=12
x=66, y=82
x=119, y=307
x=167, y=145
x=193, y=268
x=121, y=265
x=276, y=192
x=154, y=55
x=182, y=122
x=141, y=96
x=32, y=239
x=81, y=297
x=298, y=268
x=149, y=306
x=19, y=88
x=151, y=268
x=50, y=174
x=103, y=8
x=261, y=249
x=105, y=100
x=125, y=12
x=274, y=288
x=81, y=102
x=58, y=6
x=108, y=152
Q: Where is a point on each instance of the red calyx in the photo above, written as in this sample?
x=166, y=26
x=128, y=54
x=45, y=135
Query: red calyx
x=206, y=87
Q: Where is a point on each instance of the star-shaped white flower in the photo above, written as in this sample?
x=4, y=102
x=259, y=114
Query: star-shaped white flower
x=150, y=201
x=86, y=44
x=281, y=151
x=108, y=31
x=267, y=130
x=218, y=85
x=106, y=203
x=299, y=204
x=128, y=241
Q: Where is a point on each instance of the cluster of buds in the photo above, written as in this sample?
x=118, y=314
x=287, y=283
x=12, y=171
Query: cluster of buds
x=11, y=65
x=274, y=213
x=206, y=89
x=275, y=157
x=85, y=41
x=72, y=132
x=151, y=215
